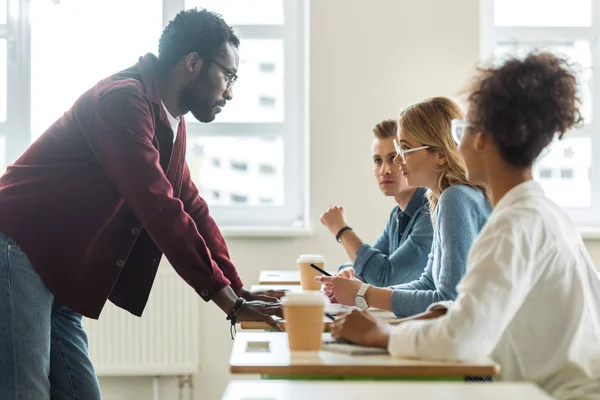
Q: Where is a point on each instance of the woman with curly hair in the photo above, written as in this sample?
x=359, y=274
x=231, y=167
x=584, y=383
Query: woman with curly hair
x=530, y=298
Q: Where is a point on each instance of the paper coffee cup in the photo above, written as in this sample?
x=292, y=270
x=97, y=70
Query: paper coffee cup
x=303, y=314
x=308, y=273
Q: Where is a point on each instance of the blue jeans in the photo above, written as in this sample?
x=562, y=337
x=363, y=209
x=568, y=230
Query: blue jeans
x=43, y=348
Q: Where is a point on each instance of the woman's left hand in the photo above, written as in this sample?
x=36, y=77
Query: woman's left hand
x=361, y=328
x=343, y=289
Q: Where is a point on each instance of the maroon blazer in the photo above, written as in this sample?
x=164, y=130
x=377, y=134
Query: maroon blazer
x=104, y=192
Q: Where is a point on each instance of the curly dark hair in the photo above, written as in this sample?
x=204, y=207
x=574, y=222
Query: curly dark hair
x=194, y=30
x=523, y=103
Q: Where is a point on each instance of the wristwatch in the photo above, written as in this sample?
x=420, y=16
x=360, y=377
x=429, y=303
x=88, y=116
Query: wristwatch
x=360, y=300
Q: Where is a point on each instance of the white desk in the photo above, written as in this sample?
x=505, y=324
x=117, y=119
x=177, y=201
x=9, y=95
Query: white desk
x=279, y=277
x=263, y=326
x=273, y=277
x=332, y=309
x=273, y=357
x=291, y=288
x=303, y=390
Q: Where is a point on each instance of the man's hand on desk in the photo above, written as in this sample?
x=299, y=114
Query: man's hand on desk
x=268, y=296
x=252, y=310
x=261, y=311
x=361, y=328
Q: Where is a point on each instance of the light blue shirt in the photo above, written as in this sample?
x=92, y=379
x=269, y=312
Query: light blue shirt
x=400, y=253
x=460, y=214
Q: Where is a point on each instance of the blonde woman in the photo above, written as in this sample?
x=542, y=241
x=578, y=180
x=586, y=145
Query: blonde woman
x=428, y=157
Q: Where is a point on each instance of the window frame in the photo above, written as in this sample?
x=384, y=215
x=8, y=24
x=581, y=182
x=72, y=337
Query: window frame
x=17, y=127
x=293, y=130
x=490, y=35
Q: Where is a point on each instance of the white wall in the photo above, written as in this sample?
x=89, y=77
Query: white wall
x=368, y=60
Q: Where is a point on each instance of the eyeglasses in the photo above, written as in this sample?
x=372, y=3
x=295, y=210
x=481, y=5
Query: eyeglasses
x=230, y=76
x=459, y=127
x=402, y=152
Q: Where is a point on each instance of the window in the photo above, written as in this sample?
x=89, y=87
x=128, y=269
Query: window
x=267, y=169
x=267, y=67
x=267, y=102
x=569, y=28
x=239, y=166
x=239, y=198
x=545, y=173
x=71, y=49
x=266, y=122
x=3, y=11
x=12, y=49
x=3, y=79
x=566, y=173
x=244, y=175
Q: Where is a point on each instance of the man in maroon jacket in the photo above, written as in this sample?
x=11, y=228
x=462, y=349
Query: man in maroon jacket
x=87, y=212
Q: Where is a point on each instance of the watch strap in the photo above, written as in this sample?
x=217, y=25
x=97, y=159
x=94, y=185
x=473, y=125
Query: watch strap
x=363, y=289
x=338, y=236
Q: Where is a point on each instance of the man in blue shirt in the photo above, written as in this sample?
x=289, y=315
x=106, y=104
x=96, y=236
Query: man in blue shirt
x=400, y=254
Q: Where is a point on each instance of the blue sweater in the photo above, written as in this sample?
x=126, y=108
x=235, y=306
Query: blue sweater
x=460, y=214
x=400, y=253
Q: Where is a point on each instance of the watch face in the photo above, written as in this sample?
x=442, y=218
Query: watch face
x=361, y=303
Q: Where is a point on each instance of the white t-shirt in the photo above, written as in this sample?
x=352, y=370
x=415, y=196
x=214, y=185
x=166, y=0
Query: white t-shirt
x=174, y=121
x=530, y=300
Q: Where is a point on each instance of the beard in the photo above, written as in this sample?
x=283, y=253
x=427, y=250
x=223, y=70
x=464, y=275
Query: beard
x=195, y=98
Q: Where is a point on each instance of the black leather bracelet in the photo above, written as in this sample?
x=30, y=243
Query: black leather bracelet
x=235, y=310
x=339, y=234
x=239, y=303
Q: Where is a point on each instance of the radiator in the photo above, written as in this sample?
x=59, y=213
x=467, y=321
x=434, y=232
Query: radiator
x=164, y=341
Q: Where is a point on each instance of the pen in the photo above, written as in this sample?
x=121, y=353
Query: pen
x=320, y=270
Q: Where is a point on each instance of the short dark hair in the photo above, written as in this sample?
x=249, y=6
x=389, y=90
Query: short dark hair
x=523, y=103
x=194, y=30
x=386, y=129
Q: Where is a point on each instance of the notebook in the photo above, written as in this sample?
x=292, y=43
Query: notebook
x=336, y=308
x=345, y=347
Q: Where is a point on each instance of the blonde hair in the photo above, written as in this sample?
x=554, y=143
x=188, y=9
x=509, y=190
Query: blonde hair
x=429, y=123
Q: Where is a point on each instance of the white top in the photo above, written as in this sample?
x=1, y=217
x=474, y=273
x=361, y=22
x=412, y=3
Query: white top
x=348, y=390
x=530, y=299
x=174, y=121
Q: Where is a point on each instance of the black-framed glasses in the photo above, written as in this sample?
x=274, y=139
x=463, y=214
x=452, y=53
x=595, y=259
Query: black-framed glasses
x=229, y=74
